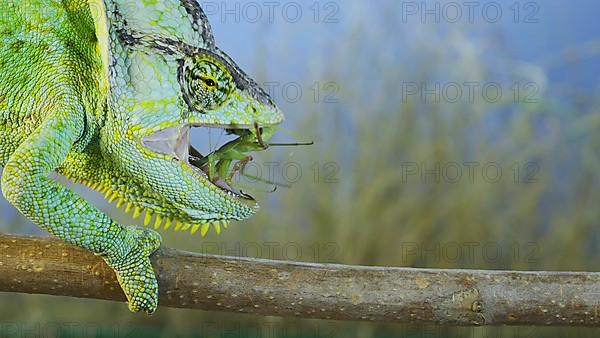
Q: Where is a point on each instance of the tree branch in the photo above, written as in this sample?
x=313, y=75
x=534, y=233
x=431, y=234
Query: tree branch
x=277, y=288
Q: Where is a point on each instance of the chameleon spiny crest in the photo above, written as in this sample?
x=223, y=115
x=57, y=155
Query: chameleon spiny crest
x=105, y=93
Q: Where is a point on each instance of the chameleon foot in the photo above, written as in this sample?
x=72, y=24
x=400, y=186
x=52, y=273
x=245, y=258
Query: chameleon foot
x=134, y=270
x=149, y=239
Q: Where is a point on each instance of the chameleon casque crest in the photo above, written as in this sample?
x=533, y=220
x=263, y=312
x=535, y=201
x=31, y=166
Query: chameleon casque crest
x=105, y=93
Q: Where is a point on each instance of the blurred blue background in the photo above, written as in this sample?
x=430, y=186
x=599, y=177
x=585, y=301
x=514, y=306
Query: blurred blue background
x=436, y=124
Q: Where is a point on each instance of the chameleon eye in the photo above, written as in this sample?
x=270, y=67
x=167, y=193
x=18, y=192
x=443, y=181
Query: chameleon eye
x=205, y=83
x=210, y=83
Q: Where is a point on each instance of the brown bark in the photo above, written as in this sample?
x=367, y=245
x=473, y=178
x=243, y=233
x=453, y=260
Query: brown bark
x=277, y=288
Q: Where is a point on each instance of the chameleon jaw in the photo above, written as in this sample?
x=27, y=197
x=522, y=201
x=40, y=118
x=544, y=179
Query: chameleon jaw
x=175, y=142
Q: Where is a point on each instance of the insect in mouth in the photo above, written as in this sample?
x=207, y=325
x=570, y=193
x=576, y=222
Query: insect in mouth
x=231, y=158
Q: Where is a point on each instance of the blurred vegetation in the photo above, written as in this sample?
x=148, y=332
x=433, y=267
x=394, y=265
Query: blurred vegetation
x=371, y=211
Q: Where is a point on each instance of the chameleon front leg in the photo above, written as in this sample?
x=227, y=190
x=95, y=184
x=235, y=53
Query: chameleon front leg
x=26, y=184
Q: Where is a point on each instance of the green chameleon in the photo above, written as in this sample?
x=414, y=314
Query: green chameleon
x=105, y=93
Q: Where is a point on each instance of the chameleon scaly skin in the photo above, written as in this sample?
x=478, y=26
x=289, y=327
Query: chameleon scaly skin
x=105, y=93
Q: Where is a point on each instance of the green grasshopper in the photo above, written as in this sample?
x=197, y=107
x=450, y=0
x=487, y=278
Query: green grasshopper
x=219, y=162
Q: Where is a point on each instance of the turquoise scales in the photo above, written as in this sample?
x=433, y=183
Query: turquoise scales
x=105, y=93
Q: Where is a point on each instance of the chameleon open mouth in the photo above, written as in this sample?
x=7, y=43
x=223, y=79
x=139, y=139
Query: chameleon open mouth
x=175, y=142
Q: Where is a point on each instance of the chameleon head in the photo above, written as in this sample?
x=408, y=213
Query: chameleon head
x=169, y=96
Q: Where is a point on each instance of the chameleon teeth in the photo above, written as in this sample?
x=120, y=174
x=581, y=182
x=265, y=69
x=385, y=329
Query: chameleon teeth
x=195, y=228
x=120, y=202
x=128, y=207
x=186, y=226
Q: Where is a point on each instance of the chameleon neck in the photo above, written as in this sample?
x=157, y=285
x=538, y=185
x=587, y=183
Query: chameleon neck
x=183, y=20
